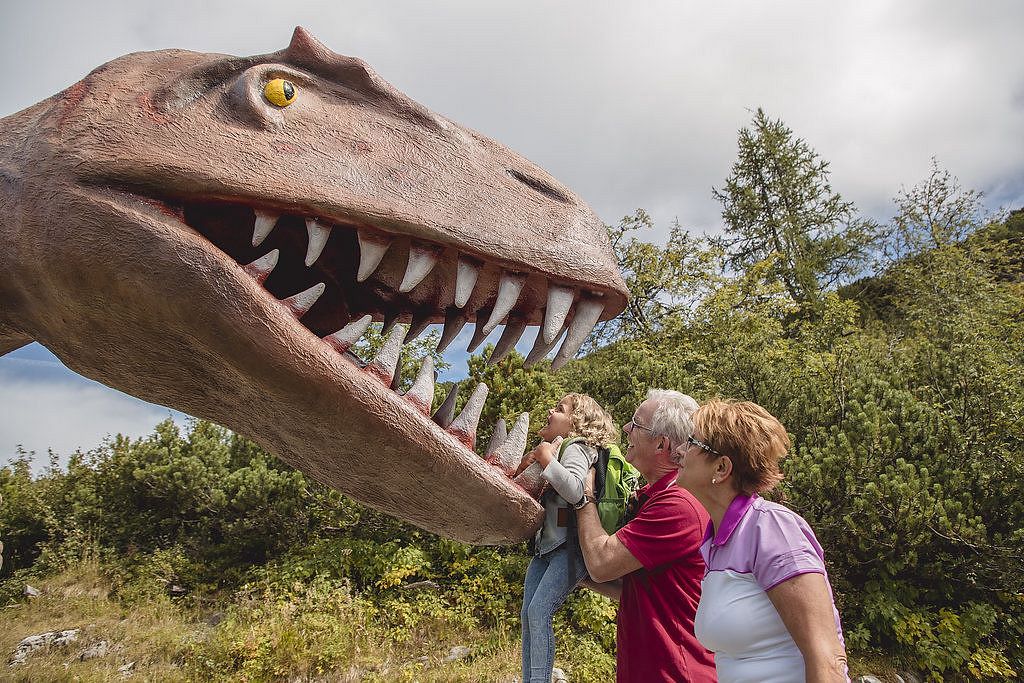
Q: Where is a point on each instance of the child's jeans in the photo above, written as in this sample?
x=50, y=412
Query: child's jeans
x=547, y=586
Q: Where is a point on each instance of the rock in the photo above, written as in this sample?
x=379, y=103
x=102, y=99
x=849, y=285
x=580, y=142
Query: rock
x=30, y=592
x=907, y=677
x=175, y=589
x=49, y=639
x=95, y=650
x=126, y=670
x=558, y=676
x=420, y=584
x=867, y=679
x=458, y=652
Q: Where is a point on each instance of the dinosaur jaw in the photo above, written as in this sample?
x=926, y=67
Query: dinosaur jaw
x=187, y=325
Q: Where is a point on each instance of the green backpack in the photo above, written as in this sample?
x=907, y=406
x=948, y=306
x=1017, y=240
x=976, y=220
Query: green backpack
x=615, y=481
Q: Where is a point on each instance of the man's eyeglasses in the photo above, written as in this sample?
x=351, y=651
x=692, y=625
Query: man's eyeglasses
x=701, y=445
x=633, y=424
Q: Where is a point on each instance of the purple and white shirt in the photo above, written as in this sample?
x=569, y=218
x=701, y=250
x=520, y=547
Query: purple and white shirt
x=759, y=544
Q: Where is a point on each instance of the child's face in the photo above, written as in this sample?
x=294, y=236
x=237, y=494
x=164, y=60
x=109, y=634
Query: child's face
x=559, y=421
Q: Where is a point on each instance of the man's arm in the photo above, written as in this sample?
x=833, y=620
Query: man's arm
x=607, y=559
x=609, y=589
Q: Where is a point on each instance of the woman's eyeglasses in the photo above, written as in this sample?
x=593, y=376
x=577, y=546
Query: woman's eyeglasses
x=701, y=445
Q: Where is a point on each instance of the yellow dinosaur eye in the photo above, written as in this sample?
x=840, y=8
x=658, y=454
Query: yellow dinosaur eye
x=280, y=92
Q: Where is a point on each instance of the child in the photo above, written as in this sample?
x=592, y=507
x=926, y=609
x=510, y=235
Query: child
x=548, y=582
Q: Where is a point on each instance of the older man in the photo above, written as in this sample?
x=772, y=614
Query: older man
x=653, y=564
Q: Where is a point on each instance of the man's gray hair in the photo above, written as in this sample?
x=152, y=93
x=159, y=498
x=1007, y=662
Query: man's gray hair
x=673, y=414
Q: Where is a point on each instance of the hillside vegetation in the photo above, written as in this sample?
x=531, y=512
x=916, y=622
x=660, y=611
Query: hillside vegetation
x=893, y=353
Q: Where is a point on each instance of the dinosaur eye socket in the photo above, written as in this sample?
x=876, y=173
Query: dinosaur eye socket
x=280, y=92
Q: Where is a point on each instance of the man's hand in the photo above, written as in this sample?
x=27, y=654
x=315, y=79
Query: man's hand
x=607, y=559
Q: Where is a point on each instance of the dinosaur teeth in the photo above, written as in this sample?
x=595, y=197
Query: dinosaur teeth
x=479, y=334
x=509, y=288
x=464, y=426
x=421, y=261
x=513, y=331
x=265, y=222
x=588, y=312
x=530, y=480
x=303, y=301
x=454, y=321
x=318, y=235
x=262, y=267
x=421, y=393
x=508, y=455
x=467, y=272
x=371, y=251
x=343, y=339
x=446, y=413
x=559, y=305
x=540, y=349
x=385, y=363
x=498, y=436
x=420, y=321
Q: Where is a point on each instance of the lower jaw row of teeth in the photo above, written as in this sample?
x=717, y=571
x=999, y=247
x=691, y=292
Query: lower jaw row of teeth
x=506, y=448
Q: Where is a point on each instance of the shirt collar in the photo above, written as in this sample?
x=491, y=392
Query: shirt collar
x=733, y=514
x=660, y=485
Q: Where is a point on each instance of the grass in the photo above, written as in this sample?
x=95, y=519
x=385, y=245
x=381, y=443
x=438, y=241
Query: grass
x=314, y=632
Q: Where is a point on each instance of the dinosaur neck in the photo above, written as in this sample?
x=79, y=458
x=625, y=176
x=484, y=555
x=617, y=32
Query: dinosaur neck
x=12, y=335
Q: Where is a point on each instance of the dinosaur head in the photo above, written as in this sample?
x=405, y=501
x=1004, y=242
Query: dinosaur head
x=213, y=233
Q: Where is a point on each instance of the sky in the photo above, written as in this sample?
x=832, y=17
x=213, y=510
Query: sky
x=632, y=105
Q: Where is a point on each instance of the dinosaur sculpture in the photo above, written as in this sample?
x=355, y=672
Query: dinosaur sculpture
x=212, y=233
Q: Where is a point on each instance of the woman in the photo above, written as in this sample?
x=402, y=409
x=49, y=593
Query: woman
x=585, y=427
x=766, y=607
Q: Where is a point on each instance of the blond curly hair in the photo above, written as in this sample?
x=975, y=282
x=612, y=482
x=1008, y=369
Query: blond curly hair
x=591, y=422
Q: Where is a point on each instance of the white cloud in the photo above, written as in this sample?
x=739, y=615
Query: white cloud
x=45, y=407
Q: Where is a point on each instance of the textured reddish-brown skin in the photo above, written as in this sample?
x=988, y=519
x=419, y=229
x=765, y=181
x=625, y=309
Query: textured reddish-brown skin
x=123, y=292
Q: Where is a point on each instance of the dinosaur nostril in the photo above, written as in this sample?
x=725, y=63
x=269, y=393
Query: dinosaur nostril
x=539, y=186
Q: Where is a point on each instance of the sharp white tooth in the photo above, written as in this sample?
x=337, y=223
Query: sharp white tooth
x=446, y=413
x=265, y=222
x=509, y=288
x=303, y=301
x=454, y=321
x=396, y=381
x=465, y=280
x=262, y=267
x=588, y=312
x=421, y=261
x=559, y=305
x=343, y=339
x=464, y=426
x=318, y=235
x=416, y=327
x=384, y=363
x=508, y=455
x=371, y=251
x=540, y=349
x=513, y=331
x=421, y=393
x=498, y=436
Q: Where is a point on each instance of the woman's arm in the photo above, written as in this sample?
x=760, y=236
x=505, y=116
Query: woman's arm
x=805, y=606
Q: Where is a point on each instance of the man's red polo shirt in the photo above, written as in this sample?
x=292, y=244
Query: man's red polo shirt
x=659, y=602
